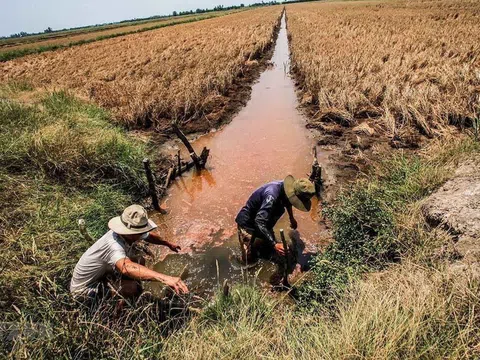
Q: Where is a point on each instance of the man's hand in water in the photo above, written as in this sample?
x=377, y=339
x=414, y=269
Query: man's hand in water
x=175, y=248
x=155, y=238
x=176, y=284
x=279, y=249
x=293, y=223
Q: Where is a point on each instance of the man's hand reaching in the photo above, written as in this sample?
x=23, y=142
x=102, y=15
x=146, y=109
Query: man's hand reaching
x=293, y=223
x=136, y=271
x=279, y=249
x=176, y=284
x=174, y=248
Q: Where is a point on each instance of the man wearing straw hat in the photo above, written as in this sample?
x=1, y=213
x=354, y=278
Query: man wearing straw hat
x=266, y=206
x=109, y=259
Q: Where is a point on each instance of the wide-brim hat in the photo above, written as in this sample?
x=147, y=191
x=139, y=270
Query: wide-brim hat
x=134, y=220
x=299, y=192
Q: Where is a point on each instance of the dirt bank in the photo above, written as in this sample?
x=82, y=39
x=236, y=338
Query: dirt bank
x=456, y=208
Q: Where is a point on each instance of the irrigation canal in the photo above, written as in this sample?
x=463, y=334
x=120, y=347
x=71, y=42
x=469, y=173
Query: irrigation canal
x=266, y=141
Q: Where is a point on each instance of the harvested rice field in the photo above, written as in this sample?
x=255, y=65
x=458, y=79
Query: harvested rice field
x=182, y=72
x=17, y=47
x=401, y=64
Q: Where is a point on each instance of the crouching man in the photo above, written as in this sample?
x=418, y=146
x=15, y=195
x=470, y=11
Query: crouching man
x=265, y=207
x=109, y=260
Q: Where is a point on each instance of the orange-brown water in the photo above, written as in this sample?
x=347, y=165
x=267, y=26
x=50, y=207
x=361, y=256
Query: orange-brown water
x=266, y=141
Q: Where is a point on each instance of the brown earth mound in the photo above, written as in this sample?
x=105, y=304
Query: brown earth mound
x=456, y=207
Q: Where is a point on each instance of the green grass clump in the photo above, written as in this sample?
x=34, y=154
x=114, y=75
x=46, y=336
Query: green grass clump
x=363, y=229
x=244, y=302
x=372, y=220
x=69, y=141
x=409, y=312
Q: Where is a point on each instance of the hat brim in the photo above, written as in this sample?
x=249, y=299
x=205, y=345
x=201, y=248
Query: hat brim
x=115, y=224
x=301, y=204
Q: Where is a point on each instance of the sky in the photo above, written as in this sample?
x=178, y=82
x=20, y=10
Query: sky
x=37, y=15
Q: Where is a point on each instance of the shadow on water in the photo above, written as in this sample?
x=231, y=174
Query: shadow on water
x=266, y=141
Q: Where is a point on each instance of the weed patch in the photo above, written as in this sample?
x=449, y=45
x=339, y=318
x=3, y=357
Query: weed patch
x=69, y=141
x=372, y=221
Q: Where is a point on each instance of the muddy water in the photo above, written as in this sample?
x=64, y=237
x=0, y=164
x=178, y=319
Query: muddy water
x=266, y=141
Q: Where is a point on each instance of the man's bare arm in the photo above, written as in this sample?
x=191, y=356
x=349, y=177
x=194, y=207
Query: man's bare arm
x=293, y=222
x=155, y=238
x=139, y=272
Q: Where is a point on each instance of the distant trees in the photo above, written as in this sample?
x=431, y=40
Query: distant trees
x=48, y=30
x=296, y=1
x=20, y=34
x=222, y=8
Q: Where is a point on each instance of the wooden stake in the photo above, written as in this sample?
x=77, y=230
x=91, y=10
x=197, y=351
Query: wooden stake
x=169, y=176
x=179, y=164
x=193, y=154
x=316, y=174
x=151, y=184
x=287, y=258
x=242, y=248
x=225, y=288
x=204, y=156
x=84, y=232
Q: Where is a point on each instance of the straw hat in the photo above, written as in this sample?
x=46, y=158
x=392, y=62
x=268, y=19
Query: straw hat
x=134, y=220
x=299, y=192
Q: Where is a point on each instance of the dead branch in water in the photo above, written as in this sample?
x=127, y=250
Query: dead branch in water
x=287, y=259
x=196, y=160
x=242, y=247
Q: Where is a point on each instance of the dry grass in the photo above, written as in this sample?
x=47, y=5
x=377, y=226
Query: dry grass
x=405, y=63
x=182, y=72
x=408, y=312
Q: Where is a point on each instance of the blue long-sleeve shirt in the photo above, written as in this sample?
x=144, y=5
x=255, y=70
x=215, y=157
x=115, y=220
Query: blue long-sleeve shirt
x=263, y=209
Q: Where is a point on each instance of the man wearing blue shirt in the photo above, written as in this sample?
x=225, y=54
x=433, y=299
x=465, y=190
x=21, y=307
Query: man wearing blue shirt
x=266, y=206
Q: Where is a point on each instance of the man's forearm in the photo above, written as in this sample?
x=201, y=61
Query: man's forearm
x=290, y=213
x=154, y=238
x=140, y=272
x=267, y=234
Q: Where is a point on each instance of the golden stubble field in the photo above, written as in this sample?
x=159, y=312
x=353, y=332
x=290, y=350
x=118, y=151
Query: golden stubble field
x=180, y=72
x=404, y=63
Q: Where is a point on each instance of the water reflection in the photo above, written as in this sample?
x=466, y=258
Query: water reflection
x=196, y=184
